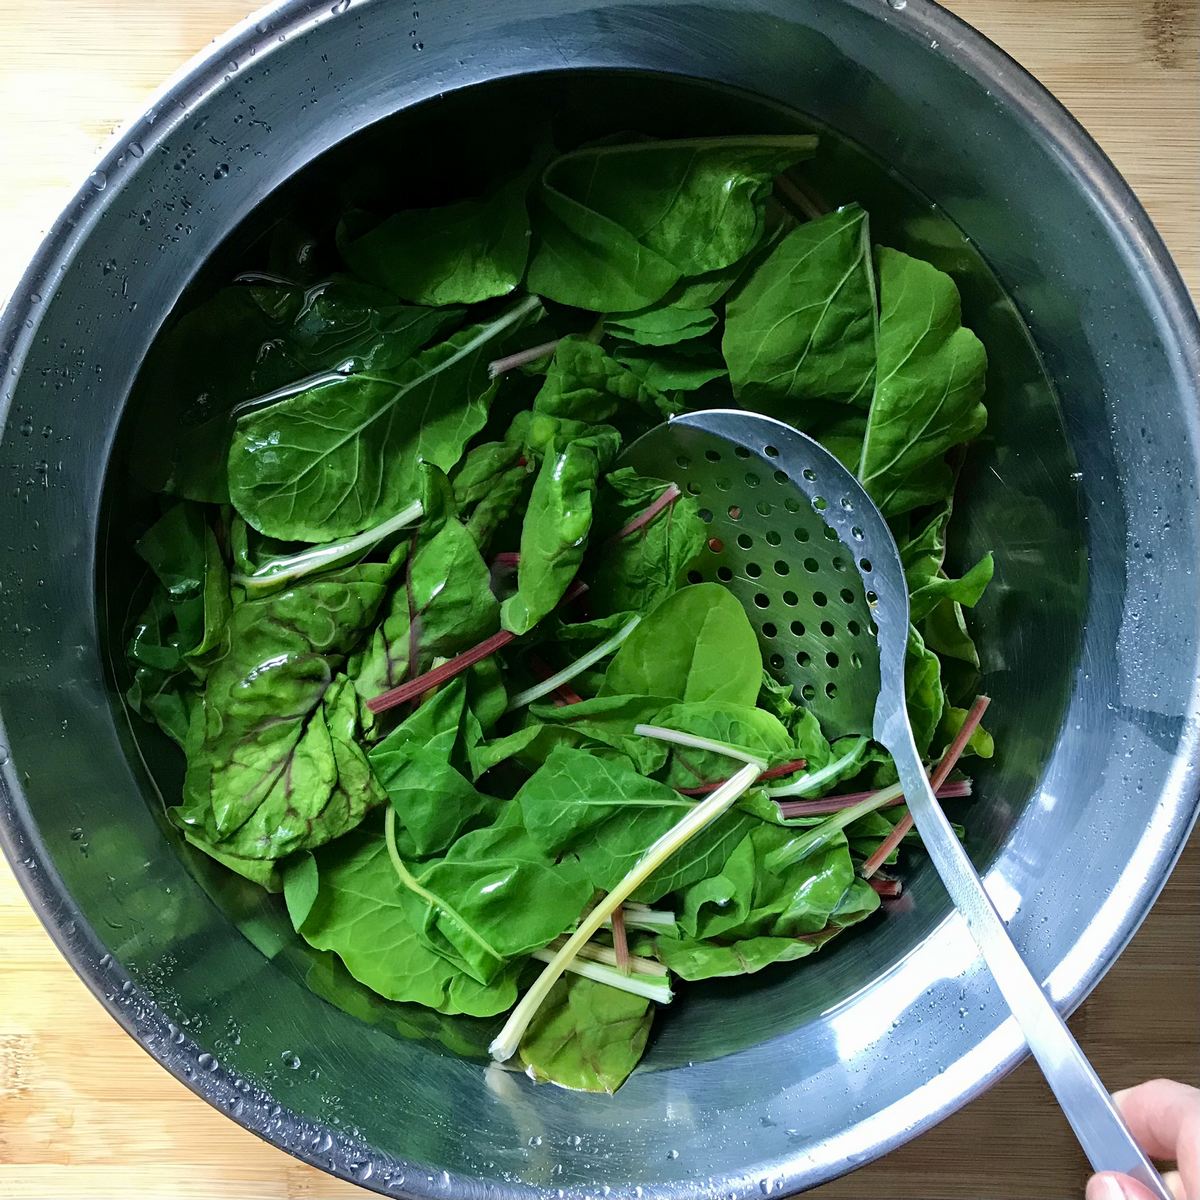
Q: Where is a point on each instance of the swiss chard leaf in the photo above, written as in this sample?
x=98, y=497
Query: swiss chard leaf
x=683, y=368
x=489, y=485
x=458, y=254
x=301, y=882
x=662, y=325
x=802, y=328
x=347, y=454
x=747, y=916
x=555, y=530
x=944, y=630
x=249, y=340
x=586, y=1035
x=636, y=571
x=444, y=604
x=584, y=383
x=696, y=645
x=922, y=690
x=276, y=764
x=500, y=897
x=610, y=720
x=435, y=803
x=365, y=916
x=617, y=226
x=741, y=726
x=182, y=551
x=928, y=388
x=608, y=816
x=966, y=590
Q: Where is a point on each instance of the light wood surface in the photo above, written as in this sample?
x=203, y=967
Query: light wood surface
x=85, y=1113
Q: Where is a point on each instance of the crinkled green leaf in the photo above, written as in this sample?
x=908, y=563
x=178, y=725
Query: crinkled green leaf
x=584, y=383
x=636, y=571
x=747, y=916
x=276, y=766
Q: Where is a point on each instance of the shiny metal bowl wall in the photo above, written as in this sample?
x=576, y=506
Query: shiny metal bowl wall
x=1085, y=487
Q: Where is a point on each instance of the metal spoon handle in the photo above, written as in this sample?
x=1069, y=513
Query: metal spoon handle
x=1098, y=1125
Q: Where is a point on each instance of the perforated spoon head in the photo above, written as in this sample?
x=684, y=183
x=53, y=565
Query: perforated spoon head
x=795, y=537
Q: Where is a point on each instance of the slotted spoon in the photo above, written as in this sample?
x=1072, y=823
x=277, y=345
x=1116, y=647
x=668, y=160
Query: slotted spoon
x=796, y=538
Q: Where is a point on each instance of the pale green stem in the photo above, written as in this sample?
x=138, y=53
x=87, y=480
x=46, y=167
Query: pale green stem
x=415, y=886
x=647, y=918
x=817, y=836
x=506, y=1043
x=593, y=656
x=814, y=779
x=639, y=985
x=606, y=954
x=695, y=742
x=321, y=558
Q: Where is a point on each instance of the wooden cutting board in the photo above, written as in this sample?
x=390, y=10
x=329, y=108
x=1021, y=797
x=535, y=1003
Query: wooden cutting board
x=85, y=1113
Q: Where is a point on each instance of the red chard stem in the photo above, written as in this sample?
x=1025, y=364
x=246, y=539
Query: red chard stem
x=955, y=789
x=787, y=768
x=970, y=722
x=667, y=497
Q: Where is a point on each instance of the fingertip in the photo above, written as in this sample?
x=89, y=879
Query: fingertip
x=1111, y=1186
x=1104, y=1187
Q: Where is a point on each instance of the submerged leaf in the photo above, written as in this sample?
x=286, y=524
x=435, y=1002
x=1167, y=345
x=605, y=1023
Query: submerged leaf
x=617, y=226
x=249, y=340
x=801, y=330
x=346, y=454
x=457, y=254
x=586, y=1035
x=928, y=389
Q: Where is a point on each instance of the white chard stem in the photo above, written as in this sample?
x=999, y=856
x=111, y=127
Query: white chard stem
x=321, y=558
x=696, y=742
x=507, y=1041
x=652, y=987
x=581, y=664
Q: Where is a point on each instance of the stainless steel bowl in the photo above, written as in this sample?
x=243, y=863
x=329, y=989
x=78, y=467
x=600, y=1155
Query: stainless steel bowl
x=1086, y=487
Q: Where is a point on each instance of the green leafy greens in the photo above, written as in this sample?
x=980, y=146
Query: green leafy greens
x=433, y=657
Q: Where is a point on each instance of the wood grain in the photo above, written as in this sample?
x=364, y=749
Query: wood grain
x=84, y=1112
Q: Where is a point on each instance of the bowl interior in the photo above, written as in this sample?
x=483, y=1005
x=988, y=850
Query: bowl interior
x=445, y=149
